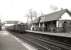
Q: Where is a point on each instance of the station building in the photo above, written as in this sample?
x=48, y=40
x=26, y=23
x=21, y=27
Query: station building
x=59, y=21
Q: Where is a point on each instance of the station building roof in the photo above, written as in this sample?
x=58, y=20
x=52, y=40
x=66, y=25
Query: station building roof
x=52, y=16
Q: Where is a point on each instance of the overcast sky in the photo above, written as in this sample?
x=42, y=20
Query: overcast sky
x=17, y=9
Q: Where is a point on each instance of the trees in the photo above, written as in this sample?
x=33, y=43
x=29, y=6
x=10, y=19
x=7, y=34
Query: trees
x=31, y=15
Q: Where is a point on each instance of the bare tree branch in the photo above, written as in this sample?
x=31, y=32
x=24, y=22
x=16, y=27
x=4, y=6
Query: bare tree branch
x=31, y=14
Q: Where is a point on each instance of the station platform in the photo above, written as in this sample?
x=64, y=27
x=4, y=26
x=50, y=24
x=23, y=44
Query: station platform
x=10, y=42
x=68, y=35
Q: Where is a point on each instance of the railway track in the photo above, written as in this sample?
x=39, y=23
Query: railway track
x=44, y=42
x=48, y=43
x=47, y=38
x=47, y=46
x=31, y=43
